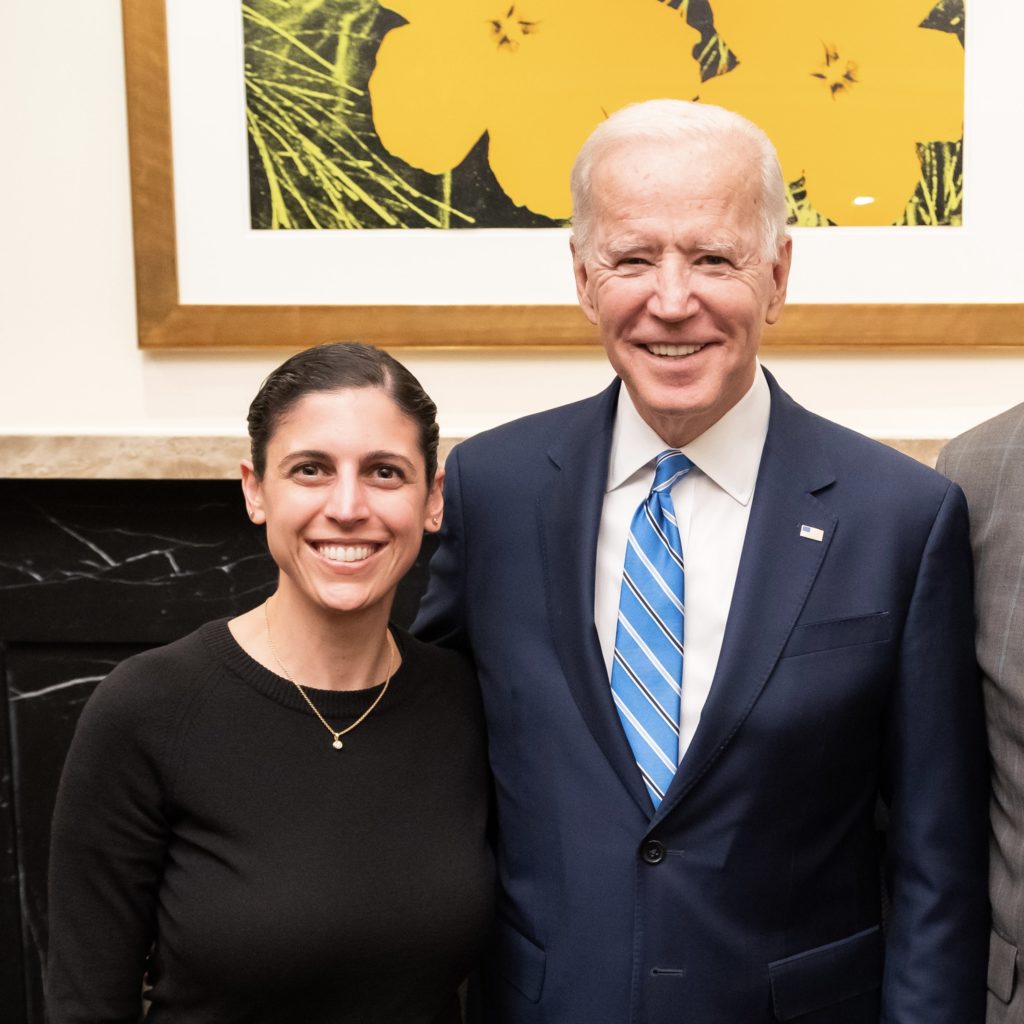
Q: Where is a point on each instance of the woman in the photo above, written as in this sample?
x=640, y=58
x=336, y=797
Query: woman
x=281, y=817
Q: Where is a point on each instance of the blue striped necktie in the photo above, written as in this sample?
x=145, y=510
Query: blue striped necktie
x=647, y=667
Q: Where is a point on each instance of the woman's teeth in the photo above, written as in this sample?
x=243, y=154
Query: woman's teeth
x=346, y=552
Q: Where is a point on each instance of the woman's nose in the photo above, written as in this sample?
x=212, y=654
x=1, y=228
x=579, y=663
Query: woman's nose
x=346, y=500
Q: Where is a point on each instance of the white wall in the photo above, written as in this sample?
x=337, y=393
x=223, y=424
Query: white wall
x=67, y=319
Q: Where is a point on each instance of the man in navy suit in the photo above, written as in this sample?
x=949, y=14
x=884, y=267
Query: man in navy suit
x=825, y=640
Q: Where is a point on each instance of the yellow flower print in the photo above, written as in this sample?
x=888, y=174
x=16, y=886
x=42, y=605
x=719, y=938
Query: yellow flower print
x=535, y=75
x=845, y=91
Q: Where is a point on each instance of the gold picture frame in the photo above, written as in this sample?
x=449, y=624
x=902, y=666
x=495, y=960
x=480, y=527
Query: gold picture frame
x=165, y=322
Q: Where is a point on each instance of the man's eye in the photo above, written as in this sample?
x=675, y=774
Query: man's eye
x=633, y=261
x=711, y=259
x=306, y=469
x=389, y=472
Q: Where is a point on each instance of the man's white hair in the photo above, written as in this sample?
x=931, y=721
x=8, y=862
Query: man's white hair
x=703, y=128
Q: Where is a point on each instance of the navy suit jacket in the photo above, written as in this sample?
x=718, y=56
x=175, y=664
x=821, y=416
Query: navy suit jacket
x=847, y=673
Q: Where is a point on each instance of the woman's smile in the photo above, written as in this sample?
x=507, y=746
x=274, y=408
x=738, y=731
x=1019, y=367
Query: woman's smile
x=347, y=553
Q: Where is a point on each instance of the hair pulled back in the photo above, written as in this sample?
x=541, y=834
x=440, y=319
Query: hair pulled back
x=336, y=366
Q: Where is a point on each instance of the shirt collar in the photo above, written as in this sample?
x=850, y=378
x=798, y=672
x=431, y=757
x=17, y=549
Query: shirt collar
x=729, y=451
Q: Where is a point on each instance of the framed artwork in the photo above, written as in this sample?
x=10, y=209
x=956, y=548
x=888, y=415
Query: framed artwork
x=282, y=208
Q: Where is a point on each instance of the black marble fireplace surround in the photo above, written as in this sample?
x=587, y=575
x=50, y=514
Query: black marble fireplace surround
x=92, y=571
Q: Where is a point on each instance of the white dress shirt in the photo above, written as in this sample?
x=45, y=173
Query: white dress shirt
x=712, y=504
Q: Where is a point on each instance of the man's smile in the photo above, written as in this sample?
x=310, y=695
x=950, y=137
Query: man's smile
x=672, y=350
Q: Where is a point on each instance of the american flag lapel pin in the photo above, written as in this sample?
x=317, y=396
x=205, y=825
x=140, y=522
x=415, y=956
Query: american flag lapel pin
x=812, y=533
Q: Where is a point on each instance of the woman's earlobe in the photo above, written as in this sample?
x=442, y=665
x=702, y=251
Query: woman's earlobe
x=435, y=503
x=251, y=492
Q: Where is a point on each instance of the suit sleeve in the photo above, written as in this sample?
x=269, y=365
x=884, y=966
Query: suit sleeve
x=936, y=778
x=442, y=613
x=107, y=850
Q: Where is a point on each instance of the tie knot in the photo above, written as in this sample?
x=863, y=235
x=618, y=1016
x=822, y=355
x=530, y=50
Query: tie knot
x=670, y=465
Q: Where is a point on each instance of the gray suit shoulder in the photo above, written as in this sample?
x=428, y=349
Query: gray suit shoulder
x=987, y=461
x=999, y=432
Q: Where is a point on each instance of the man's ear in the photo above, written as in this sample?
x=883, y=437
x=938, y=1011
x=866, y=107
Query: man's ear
x=780, y=277
x=252, y=489
x=579, y=269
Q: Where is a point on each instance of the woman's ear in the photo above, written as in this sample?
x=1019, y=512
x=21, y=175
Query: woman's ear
x=435, y=504
x=253, y=491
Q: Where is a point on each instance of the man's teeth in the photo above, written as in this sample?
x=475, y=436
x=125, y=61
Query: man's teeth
x=674, y=350
x=346, y=553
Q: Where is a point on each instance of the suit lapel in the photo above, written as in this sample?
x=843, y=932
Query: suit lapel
x=569, y=515
x=777, y=569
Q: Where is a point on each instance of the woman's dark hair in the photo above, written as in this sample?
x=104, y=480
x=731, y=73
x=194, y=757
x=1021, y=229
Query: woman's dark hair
x=334, y=367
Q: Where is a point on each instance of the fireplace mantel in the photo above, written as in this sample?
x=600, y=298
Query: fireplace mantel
x=123, y=457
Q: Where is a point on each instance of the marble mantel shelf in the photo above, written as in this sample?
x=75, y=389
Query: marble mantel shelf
x=42, y=457
x=53, y=457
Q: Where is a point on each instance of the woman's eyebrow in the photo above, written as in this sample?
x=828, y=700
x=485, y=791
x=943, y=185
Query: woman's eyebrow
x=304, y=453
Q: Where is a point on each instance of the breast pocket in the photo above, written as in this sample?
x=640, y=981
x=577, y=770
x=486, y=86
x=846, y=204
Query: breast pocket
x=833, y=634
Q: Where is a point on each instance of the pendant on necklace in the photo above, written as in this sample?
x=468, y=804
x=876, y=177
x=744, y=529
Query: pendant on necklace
x=337, y=744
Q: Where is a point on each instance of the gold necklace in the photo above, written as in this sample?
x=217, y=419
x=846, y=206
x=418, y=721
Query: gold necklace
x=336, y=734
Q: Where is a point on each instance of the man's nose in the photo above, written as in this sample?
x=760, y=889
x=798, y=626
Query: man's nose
x=673, y=297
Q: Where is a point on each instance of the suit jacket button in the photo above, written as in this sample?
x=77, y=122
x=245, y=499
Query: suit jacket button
x=653, y=851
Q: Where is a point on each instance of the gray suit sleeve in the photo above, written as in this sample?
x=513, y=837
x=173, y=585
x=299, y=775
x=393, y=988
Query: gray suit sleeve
x=988, y=462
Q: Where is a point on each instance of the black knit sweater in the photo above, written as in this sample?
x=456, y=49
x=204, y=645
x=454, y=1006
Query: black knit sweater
x=208, y=836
